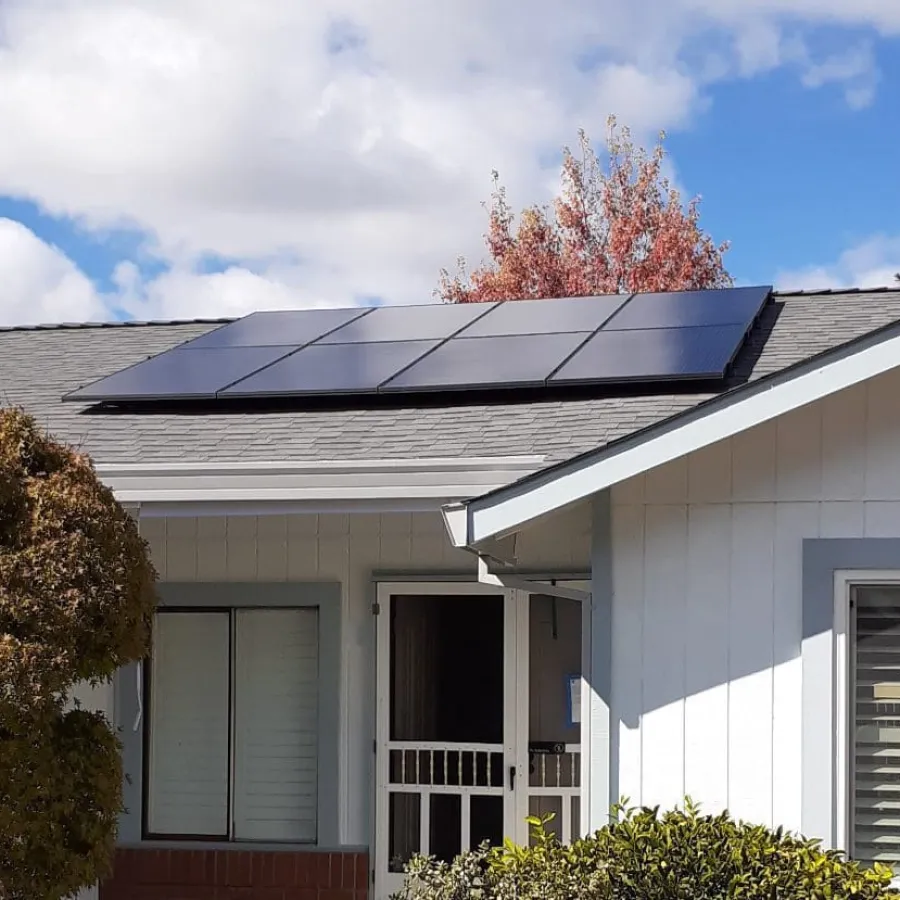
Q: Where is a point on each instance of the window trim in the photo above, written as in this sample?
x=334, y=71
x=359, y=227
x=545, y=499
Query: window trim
x=326, y=596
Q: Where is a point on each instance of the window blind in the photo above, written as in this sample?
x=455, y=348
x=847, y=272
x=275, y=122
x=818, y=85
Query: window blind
x=875, y=666
x=189, y=732
x=276, y=725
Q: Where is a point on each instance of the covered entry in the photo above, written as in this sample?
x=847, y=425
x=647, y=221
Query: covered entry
x=479, y=713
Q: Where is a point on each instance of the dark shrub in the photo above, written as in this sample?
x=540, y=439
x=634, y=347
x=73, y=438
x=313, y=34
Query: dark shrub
x=76, y=603
x=645, y=855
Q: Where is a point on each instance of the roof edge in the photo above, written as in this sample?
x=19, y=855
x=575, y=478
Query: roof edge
x=506, y=509
x=438, y=479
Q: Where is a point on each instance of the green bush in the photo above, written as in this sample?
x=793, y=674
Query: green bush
x=645, y=855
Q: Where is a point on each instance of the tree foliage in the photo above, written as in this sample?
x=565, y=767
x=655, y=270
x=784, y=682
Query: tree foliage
x=621, y=228
x=76, y=603
x=647, y=855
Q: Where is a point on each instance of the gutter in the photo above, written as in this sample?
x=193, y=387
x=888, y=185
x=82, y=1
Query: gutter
x=257, y=487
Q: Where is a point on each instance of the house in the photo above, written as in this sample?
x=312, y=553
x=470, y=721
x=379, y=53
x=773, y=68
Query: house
x=404, y=626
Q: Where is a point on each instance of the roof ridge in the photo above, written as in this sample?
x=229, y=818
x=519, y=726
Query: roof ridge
x=824, y=292
x=225, y=320
x=125, y=323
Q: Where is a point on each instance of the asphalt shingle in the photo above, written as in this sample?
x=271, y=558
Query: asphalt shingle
x=38, y=366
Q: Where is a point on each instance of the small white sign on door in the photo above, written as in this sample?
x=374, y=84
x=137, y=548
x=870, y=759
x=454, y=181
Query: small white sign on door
x=574, y=699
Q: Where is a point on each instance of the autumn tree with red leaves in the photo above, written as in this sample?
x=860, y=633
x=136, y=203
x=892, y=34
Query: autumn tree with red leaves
x=616, y=229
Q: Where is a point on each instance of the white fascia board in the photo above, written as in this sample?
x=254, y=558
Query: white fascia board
x=456, y=520
x=508, y=509
x=343, y=482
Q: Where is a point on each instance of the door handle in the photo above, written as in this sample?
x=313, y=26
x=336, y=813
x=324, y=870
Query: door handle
x=512, y=778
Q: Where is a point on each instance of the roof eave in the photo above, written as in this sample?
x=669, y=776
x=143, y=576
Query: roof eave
x=242, y=486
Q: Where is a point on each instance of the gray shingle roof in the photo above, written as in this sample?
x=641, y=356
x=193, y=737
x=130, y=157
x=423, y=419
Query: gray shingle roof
x=39, y=365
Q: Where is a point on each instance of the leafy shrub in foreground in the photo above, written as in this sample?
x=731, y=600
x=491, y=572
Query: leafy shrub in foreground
x=645, y=855
x=76, y=603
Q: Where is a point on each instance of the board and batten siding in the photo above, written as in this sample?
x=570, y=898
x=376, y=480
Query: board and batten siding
x=707, y=674
x=348, y=549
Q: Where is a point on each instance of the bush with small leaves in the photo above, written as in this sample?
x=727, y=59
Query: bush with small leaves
x=645, y=855
x=76, y=603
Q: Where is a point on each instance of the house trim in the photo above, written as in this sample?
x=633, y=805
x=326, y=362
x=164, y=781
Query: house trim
x=258, y=484
x=507, y=509
x=602, y=771
x=130, y=712
x=830, y=567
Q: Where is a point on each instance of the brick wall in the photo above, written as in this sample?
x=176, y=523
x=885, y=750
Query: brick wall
x=236, y=875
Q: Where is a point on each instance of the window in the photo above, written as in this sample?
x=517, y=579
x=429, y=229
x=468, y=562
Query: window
x=875, y=724
x=232, y=726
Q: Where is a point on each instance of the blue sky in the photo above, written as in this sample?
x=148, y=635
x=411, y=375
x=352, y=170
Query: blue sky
x=163, y=161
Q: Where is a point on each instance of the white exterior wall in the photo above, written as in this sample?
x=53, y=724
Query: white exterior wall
x=348, y=549
x=707, y=598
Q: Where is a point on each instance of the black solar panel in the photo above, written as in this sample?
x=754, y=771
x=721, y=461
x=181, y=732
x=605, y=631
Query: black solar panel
x=286, y=328
x=652, y=355
x=566, y=314
x=332, y=368
x=395, y=350
x=409, y=323
x=192, y=373
x=686, y=309
x=488, y=362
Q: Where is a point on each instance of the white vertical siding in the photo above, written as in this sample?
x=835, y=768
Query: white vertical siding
x=706, y=644
x=347, y=549
x=665, y=596
x=276, y=662
x=724, y=634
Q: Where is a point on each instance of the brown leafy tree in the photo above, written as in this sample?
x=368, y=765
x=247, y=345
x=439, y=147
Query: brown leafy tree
x=76, y=603
x=621, y=228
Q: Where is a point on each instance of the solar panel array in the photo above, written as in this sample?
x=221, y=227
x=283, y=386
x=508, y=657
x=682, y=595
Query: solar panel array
x=606, y=339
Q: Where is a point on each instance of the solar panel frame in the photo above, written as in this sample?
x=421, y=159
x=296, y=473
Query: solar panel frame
x=383, y=359
x=449, y=367
x=208, y=369
x=688, y=309
x=652, y=354
x=430, y=322
x=571, y=315
x=278, y=328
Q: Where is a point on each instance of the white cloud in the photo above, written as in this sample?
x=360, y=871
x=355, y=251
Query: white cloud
x=871, y=263
x=353, y=138
x=39, y=283
x=854, y=68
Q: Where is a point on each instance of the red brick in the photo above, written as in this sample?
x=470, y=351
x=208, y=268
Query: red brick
x=240, y=869
x=194, y=874
x=348, y=870
x=301, y=893
x=148, y=867
x=322, y=873
x=261, y=869
x=306, y=867
x=362, y=871
x=336, y=894
x=201, y=867
x=179, y=867
x=236, y=893
x=221, y=867
x=284, y=869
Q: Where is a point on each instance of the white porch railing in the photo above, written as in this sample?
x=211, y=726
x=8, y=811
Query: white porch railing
x=554, y=784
